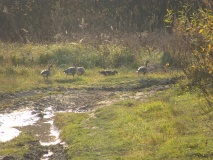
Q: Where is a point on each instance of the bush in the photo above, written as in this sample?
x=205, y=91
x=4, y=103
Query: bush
x=123, y=59
x=64, y=56
x=166, y=58
x=194, y=46
x=44, y=58
x=195, y=55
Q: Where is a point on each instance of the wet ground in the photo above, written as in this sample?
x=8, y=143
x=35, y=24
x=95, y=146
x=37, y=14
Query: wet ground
x=34, y=111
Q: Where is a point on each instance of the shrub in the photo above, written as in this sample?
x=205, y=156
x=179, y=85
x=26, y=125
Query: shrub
x=193, y=46
x=166, y=58
x=123, y=59
x=63, y=56
x=44, y=58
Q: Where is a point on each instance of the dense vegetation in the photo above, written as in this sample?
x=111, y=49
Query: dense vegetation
x=21, y=64
x=183, y=30
x=44, y=19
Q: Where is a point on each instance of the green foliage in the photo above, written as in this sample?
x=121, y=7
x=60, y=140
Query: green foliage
x=37, y=58
x=19, y=146
x=166, y=58
x=123, y=58
x=80, y=56
x=66, y=55
x=165, y=127
x=193, y=31
x=44, y=58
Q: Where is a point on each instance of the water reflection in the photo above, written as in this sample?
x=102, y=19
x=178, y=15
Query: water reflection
x=9, y=122
x=37, y=122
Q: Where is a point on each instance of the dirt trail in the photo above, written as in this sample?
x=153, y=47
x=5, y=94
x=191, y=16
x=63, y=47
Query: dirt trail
x=69, y=100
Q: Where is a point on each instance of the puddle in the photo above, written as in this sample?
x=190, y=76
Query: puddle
x=10, y=122
x=37, y=118
x=52, y=137
x=46, y=156
x=37, y=122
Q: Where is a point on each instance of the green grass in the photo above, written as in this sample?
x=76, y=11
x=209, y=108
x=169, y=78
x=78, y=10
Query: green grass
x=20, y=65
x=167, y=127
x=20, y=146
x=27, y=78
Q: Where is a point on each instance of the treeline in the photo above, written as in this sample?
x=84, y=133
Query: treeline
x=56, y=20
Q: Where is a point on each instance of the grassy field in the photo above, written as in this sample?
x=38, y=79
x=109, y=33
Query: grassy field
x=22, y=146
x=169, y=125
x=20, y=65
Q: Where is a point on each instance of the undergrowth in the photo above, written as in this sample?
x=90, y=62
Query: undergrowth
x=20, y=65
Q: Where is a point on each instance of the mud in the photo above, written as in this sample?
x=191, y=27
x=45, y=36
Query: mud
x=44, y=103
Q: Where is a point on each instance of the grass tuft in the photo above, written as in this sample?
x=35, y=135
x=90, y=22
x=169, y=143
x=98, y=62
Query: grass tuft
x=133, y=130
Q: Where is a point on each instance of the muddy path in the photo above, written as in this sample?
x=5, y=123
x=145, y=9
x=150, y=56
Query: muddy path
x=42, y=104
